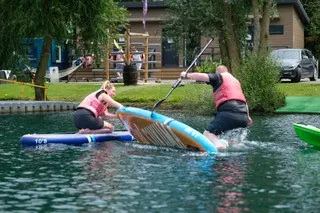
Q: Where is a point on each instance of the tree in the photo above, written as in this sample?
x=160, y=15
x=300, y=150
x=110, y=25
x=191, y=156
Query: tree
x=312, y=8
x=56, y=20
x=223, y=19
x=262, y=10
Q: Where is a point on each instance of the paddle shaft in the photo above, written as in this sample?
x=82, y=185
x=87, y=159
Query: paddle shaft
x=177, y=83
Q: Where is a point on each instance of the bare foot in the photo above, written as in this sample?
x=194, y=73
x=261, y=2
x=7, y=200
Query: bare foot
x=83, y=131
x=221, y=144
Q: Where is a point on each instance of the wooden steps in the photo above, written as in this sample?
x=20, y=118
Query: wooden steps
x=87, y=74
x=171, y=73
x=91, y=74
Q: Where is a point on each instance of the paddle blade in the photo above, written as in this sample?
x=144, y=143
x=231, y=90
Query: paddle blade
x=116, y=44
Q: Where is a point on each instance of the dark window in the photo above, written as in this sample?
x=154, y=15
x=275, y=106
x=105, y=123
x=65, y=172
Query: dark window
x=309, y=54
x=276, y=29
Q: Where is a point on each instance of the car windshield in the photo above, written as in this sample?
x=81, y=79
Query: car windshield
x=286, y=54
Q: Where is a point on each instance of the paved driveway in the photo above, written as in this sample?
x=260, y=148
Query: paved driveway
x=303, y=81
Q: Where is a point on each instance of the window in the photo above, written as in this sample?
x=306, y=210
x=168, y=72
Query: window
x=303, y=54
x=309, y=54
x=58, y=54
x=276, y=29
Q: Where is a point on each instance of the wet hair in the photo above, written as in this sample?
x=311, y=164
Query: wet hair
x=107, y=85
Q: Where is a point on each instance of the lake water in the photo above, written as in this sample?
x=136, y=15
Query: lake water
x=266, y=170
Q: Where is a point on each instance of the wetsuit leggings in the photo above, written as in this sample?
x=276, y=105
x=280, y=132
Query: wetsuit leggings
x=84, y=119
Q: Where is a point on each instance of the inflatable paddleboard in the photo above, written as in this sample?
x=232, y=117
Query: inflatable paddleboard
x=155, y=129
x=69, y=138
x=308, y=133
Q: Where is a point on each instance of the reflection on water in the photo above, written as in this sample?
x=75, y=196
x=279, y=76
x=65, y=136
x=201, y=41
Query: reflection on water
x=266, y=169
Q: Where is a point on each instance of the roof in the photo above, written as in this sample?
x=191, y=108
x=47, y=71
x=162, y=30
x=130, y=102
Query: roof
x=137, y=5
x=299, y=7
x=160, y=4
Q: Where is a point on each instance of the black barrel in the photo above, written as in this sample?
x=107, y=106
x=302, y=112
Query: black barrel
x=130, y=75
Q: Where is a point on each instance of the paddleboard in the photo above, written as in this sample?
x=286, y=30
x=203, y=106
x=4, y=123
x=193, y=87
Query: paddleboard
x=155, y=129
x=308, y=133
x=69, y=138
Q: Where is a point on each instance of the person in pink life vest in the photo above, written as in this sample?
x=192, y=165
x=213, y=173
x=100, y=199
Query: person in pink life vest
x=231, y=105
x=88, y=115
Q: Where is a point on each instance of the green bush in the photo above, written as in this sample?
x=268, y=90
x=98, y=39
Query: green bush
x=202, y=103
x=207, y=66
x=259, y=75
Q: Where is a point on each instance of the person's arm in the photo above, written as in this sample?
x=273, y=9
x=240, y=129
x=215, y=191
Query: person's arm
x=111, y=102
x=110, y=115
x=195, y=76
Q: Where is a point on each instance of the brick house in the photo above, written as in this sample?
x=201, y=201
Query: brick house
x=286, y=28
x=286, y=31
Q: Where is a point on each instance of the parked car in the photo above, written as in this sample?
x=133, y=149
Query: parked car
x=296, y=64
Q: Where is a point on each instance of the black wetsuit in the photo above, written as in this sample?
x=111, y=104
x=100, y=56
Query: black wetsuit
x=230, y=114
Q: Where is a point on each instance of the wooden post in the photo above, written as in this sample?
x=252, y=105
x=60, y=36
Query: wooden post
x=128, y=47
x=146, y=53
x=106, y=62
x=106, y=58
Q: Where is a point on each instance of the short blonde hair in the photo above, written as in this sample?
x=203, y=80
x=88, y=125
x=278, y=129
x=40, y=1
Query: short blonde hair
x=221, y=69
x=107, y=85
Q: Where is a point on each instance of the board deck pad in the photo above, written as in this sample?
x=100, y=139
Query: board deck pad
x=71, y=138
x=155, y=129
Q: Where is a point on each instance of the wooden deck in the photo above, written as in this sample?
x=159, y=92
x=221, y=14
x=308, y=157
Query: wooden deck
x=97, y=74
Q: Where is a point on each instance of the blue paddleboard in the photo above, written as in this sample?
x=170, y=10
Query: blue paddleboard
x=155, y=129
x=69, y=138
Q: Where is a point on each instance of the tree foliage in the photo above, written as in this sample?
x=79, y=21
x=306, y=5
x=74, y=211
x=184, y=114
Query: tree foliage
x=312, y=8
x=86, y=21
x=225, y=20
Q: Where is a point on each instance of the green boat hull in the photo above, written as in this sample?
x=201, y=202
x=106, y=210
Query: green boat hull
x=308, y=133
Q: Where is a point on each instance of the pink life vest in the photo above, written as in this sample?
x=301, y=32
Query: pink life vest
x=230, y=89
x=92, y=103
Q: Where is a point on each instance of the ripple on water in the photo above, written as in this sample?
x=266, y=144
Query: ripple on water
x=268, y=169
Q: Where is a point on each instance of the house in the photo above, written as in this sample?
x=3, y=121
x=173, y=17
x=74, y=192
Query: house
x=286, y=28
x=286, y=31
x=58, y=57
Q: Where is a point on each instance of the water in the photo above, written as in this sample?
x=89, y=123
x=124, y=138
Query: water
x=270, y=170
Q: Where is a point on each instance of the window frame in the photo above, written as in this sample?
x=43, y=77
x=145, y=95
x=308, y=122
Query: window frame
x=279, y=29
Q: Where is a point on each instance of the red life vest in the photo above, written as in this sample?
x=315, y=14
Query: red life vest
x=92, y=103
x=230, y=89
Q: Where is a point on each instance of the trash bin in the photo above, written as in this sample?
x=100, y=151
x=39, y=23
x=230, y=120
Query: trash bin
x=130, y=75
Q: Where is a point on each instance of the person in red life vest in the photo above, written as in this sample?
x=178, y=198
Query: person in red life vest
x=88, y=115
x=231, y=105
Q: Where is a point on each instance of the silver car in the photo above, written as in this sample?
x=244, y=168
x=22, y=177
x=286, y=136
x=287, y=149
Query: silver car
x=296, y=64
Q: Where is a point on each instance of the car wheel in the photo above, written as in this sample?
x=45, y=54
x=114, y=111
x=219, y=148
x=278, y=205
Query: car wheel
x=315, y=74
x=297, y=78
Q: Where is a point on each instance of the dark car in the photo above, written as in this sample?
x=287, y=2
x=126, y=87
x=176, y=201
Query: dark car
x=296, y=64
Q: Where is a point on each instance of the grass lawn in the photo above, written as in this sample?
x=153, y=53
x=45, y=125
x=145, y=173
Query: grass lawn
x=140, y=94
x=77, y=91
x=300, y=89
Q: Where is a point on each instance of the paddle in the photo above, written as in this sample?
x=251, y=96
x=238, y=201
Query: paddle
x=177, y=83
